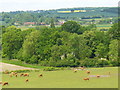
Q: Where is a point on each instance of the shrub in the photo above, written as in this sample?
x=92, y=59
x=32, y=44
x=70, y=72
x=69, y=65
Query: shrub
x=114, y=63
x=51, y=69
x=6, y=72
x=34, y=59
x=102, y=63
x=43, y=63
x=21, y=71
x=88, y=62
x=36, y=70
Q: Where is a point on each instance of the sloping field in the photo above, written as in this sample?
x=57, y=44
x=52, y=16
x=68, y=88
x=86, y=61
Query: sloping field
x=11, y=67
x=65, y=79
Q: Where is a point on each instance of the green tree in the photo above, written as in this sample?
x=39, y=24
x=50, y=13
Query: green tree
x=114, y=32
x=29, y=46
x=11, y=42
x=113, y=50
x=71, y=26
x=101, y=51
x=79, y=47
x=52, y=25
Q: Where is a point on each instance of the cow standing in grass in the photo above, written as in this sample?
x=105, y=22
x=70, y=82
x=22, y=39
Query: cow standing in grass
x=75, y=70
x=97, y=76
x=5, y=83
x=21, y=74
x=26, y=74
x=0, y=82
x=26, y=80
x=10, y=75
x=86, y=79
x=40, y=75
x=88, y=72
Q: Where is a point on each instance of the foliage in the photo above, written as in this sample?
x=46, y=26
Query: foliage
x=113, y=50
x=63, y=46
x=50, y=69
x=71, y=26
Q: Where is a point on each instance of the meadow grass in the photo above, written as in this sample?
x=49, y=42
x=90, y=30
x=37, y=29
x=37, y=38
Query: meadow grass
x=65, y=79
x=104, y=25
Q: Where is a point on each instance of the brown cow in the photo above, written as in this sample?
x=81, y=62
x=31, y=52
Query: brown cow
x=5, y=83
x=97, y=76
x=75, y=71
x=82, y=67
x=10, y=75
x=13, y=73
x=26, y=74
x=26, y=80
x=40, y=75
x=16, y=75
x=86, y=78
x=88, y=72
x=21, y=74
x=0, y=82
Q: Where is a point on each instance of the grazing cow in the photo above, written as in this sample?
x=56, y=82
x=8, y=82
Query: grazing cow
x=21, y=74
x=0, y=82
x=86, y=79
x=13, y=73
x=97, y=76
x=88, y=72
x=5, y=83
x=75, y=71
x=26, y=80
x=26, y=74
x=40, y=75
x=16, y=75
x=10, y=75
x=82, y=67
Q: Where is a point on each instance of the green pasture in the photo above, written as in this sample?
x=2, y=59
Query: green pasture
x=66, y=79
x=25, y=27
x=103, y=26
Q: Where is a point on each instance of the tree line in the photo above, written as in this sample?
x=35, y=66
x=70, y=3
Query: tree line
x=69, y=45
x=40, y=16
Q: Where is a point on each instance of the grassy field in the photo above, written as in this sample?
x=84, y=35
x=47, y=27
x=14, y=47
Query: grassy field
x=66, y=79
x=103, y=26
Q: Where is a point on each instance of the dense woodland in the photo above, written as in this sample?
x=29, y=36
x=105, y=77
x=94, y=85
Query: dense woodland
x=71, y=44
x=77, y=42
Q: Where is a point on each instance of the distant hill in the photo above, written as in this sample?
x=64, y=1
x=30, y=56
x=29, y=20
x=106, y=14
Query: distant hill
x=58, y=14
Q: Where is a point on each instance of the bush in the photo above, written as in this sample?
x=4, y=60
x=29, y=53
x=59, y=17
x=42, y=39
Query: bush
x=88, y=62
x=51, y=69
x=21, y=71
x=65, y=63
x=6, y=72
x=34, y=59
x=114, y=63
x=36, y=70
x=43, y=63
x=102, y=63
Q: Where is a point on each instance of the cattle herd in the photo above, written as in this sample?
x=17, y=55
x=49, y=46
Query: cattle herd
x=88, y=72
x=15, y=74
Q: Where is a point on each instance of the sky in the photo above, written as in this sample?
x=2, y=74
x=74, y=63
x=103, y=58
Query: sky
x=23, y=5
